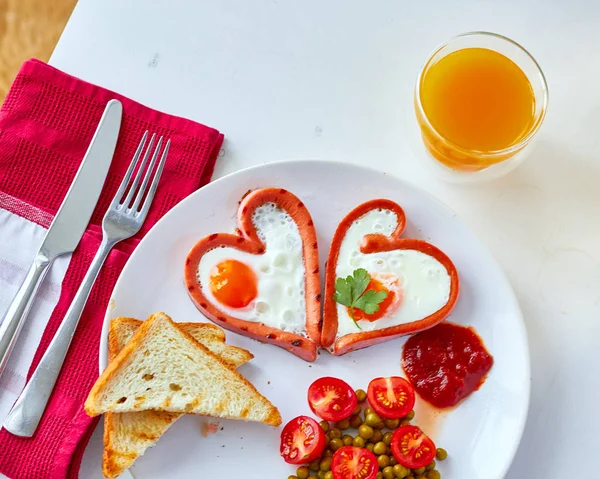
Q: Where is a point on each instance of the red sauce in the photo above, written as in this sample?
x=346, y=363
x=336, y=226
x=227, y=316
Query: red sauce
x=446, y=363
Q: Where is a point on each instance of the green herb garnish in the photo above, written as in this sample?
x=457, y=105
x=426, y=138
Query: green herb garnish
x=352, y=292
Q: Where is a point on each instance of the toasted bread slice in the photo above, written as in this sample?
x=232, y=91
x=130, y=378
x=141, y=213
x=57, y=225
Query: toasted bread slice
x=164, y=368
x=128, y=435
x=211, y=336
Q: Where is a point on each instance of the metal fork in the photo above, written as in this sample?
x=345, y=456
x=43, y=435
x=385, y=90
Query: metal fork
x=122, y=220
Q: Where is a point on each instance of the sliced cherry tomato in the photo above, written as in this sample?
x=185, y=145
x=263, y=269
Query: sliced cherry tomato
x=391, y=398
x=302, y=440
x=331, y=399
x=412, y=448
x=350, y=462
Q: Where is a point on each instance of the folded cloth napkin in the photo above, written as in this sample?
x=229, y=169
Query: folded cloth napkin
x=46, y=123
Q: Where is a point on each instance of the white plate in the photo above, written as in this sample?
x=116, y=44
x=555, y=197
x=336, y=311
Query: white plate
x=481, y=435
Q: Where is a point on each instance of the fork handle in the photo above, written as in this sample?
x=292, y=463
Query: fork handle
x=27, y=412
x=19, y=308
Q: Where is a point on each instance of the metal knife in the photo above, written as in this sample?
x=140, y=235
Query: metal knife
x=68, y=225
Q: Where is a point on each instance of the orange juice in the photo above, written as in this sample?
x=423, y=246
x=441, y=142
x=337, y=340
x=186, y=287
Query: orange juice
x=477, y=101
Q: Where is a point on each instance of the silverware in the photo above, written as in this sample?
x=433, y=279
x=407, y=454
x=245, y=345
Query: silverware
x=122, y=220
x=69, y=224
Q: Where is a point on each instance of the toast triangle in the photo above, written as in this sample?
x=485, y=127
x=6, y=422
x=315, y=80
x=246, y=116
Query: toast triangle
x=128, y=435
x=166, y=369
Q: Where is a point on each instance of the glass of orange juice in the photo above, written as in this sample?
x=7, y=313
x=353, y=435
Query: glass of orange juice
x=479, y=101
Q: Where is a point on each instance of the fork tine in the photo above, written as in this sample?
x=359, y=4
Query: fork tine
x=142, y=189
x=138, y=175
x=119, y=194
x=154, y=185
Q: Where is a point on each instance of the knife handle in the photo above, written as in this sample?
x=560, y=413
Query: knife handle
x=19, y=308
x=27, y=412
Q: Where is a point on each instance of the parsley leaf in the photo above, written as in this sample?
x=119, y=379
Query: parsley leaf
x=343, y=291
x=352, y=292
x=369, y=302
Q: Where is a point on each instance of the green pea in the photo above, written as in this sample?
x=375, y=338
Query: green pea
x=314, y=466
x=419, y=471
x=292, y=477
x=388, y=473
x=335, y=444
x=321, y=474
x=369, y=447
x=366, y=432
x=368, y=410
x=325, y=426
x=361, y=395
x=379, y=448
x=387, y=438
x=420, y=476
x=329, y=475
x=357, y=410
x=358, y=441
x=441, y=454
x=433, y=475
x=404, y=422
x=391, y=423
x=355, y=421
x=393, y=461
x=379, y=475
x=372, y=419
x=376, y=437
x=327, y=453
x=383, y=461
x=410, y=416
x=430, y=466
x=343, y=424
x=303, y=472
x=325, y=464
x=335, y=433
x=400, y=472
x=347, y=440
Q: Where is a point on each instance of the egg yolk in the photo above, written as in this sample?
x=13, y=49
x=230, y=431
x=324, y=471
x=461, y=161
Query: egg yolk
x=384, y=307
x=233, y=283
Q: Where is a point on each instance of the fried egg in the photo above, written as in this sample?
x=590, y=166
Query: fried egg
x=266, y=288
x=417, y=284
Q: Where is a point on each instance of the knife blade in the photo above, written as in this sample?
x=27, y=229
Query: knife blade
x=68, y=225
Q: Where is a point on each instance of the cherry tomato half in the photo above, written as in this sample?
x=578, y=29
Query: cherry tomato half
x=411, y=447
x=391, y=398
x=302, y=440
x=331, y=399
x=350, y=462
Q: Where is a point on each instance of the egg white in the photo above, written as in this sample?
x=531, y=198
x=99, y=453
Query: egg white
x=280, y=273
x=425, y=281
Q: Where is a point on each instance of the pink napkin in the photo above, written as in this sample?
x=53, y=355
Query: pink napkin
x=46, y=124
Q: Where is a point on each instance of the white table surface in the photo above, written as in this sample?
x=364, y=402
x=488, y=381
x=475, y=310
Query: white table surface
x=333, y=79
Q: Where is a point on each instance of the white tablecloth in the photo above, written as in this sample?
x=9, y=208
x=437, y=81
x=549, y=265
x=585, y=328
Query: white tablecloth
x=334, y=80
